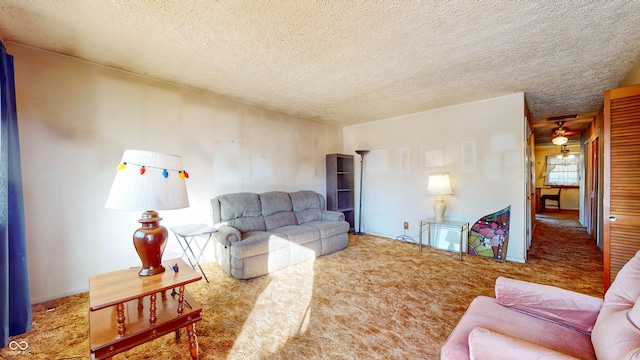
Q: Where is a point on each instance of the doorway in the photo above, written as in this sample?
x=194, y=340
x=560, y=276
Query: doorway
x=559, y=169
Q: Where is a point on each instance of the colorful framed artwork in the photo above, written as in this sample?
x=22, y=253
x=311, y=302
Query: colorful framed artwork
x=468, y=155
x=434, y=158
x=489, y=236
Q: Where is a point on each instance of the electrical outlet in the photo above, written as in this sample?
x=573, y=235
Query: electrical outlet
x=406, y=225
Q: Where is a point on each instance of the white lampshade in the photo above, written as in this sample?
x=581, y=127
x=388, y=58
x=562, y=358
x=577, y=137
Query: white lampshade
x=148, y=180
x=439, y=184
x=559, y=140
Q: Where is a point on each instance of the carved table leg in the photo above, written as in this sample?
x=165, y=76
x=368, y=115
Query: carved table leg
x=122, y=328
x=181, y=300
x=152, y=310
x=193, y=341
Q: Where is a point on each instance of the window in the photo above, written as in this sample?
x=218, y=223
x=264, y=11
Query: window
x=563, y=171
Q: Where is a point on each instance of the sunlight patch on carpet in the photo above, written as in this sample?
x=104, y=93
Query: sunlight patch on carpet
x=280, y=312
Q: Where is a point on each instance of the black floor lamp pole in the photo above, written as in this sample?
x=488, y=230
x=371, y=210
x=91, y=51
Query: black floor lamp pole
x=362, y=153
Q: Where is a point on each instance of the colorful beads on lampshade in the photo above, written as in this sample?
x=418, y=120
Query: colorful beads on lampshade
x=141, y=185
x=165, y=172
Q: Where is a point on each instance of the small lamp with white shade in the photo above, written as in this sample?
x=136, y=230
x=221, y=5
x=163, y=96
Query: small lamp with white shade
x=439, y=185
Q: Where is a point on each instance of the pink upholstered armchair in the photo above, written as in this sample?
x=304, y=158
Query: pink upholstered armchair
x=533, y=321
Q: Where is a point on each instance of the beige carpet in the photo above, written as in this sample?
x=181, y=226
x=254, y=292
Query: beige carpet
x=377, y=299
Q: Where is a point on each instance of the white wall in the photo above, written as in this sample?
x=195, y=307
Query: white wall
x=391, y=196
x=76, y=119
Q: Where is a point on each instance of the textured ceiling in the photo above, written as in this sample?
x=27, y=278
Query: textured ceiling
x=348, y=62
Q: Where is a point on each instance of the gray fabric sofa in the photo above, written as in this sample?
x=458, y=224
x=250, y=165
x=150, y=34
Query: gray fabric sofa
x=261, y=233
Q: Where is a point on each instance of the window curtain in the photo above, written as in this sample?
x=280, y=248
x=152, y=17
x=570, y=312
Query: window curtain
x=15, y=302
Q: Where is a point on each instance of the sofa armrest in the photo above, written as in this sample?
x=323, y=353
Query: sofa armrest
x=328, y=215
x=227, y=235
x=486, y=344
x=568, y=308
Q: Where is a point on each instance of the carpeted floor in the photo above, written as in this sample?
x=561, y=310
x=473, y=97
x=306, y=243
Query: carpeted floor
x=377, y=299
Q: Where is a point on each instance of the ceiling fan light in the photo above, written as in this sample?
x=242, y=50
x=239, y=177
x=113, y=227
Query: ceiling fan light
x=559, y=140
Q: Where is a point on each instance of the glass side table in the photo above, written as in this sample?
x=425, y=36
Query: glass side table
x=461, y=226
x=186, y=235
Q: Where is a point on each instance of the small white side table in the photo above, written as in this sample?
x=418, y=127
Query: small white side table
x=186, y=235
x=461, y=226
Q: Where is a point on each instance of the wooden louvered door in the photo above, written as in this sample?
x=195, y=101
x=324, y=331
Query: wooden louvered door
x=622, y=178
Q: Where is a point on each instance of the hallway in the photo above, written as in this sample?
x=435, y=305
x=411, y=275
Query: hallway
x=563, y=246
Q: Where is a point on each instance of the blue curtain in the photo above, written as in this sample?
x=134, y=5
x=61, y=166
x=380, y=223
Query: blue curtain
x=15, y=302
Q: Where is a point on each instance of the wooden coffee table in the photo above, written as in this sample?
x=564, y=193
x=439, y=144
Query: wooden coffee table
x=126, y=311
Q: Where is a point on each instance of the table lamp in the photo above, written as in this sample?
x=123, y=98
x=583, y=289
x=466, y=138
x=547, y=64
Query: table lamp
x=149, y=181
x=439, y=185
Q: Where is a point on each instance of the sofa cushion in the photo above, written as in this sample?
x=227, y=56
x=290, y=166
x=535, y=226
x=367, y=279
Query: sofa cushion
x=299, y=234
x=487, y=313
x=242, y=211
x=565, y=307
x=305, y=199
x=329, y=228
x=306, y=206
x=256, y=243
x=233, y=206
x=275, y=221
x=274, y=202
x=614, y=335
x=486, y=344
x=624, y=291
x=277, y=210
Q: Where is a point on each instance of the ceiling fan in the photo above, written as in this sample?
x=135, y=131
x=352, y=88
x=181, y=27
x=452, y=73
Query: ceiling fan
x=561, y=130
x=561, y=134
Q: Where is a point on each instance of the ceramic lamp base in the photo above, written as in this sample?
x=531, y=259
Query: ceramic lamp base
x=439, y=207
x=150, y=241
